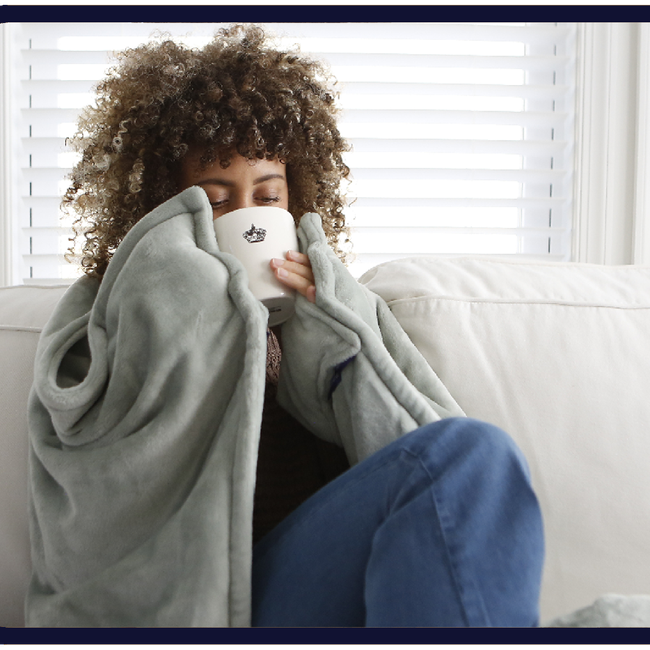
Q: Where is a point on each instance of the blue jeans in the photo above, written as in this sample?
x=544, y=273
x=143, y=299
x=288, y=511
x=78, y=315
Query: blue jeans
x=439, y=528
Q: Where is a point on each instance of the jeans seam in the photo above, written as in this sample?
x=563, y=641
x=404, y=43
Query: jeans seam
x=445, y=524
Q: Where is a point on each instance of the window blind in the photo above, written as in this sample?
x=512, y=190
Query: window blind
x=461, y=134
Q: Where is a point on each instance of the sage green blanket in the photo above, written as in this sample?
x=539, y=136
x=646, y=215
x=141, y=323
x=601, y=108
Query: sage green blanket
x=146, y=410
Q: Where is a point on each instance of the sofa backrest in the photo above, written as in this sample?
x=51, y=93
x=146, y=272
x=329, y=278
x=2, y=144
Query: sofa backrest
x=557, y=355
x=23, y=312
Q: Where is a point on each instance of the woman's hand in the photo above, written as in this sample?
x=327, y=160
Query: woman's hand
x=296, y=273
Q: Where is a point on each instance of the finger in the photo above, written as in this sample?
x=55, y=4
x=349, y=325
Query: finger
x=293, y=267
x=301, y=258
x=297, y=282
x=301, y=284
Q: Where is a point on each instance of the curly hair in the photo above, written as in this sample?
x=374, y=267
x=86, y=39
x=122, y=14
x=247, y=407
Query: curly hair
x=238, y=94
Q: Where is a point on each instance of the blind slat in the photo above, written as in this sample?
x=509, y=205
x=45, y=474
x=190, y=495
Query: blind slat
x=48, y=35
x=415, y=116
x=354, y=88
x=421, y=145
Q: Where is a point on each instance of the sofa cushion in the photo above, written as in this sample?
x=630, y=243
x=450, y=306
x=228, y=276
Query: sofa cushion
x=558, y=355
x=23, y=312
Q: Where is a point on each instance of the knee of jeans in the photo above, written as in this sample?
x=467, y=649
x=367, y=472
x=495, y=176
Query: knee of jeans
x=469, y=435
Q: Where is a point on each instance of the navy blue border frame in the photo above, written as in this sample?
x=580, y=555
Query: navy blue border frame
x=319, y=636
x=324, y=13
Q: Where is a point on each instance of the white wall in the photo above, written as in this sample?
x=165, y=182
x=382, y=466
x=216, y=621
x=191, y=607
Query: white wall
x=612, y=205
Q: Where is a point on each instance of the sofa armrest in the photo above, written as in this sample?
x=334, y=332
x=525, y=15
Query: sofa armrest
x=24, y=310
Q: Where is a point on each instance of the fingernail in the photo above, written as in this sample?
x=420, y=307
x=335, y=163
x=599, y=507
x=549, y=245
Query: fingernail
x=283, y=273
x=277, y=262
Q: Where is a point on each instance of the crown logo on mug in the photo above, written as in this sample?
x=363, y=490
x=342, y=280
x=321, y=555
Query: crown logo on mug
x=254, y=235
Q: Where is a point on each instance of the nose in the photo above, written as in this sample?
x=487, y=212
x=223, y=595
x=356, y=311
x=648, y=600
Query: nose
x=241, y=200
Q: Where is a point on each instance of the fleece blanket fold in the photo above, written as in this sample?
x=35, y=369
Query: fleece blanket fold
x=146, y=410
x=349, y=372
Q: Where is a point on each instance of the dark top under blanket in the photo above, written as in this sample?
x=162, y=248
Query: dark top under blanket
x=292, y=464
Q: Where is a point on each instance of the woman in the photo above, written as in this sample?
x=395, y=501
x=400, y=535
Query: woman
x=150, y=476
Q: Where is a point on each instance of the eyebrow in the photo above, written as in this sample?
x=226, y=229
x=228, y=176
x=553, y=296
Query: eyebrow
x=222, y=181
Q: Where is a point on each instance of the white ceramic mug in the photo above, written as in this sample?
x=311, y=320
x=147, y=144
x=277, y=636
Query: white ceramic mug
x=255, y=236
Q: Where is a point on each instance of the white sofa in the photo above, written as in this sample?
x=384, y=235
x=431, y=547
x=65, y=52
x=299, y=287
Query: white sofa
x=558, y=355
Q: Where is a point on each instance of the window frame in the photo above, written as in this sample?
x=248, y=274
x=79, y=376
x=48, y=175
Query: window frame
x=611, y=220
x=612, y=152
x=7, y=251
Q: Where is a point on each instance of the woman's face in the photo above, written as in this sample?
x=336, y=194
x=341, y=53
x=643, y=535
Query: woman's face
x=243, y=184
